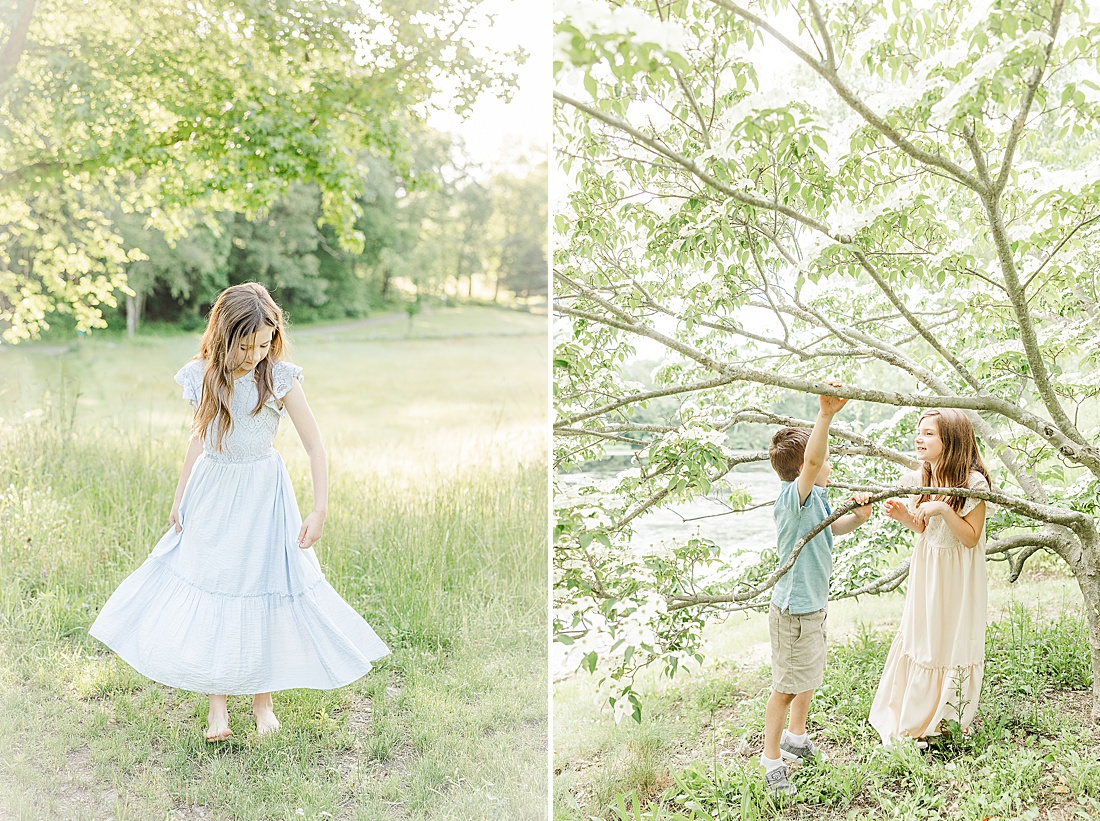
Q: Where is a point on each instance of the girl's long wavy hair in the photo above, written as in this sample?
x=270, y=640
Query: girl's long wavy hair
x=238, y=313
x=960, y=455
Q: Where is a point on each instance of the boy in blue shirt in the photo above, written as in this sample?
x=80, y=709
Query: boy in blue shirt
x=796, y=618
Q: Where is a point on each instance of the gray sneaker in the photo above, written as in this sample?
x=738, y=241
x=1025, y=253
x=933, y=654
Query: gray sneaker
x=792, y=751
x=777, y=782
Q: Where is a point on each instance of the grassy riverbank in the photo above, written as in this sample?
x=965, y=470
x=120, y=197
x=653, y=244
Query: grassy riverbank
x=1033, y=752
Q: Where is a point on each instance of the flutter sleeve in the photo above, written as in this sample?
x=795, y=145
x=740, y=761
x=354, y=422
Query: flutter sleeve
x=283, y=376
x=976, y=482
x=189, y=377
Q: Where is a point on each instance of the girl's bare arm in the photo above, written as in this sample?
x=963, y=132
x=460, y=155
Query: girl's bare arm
x=194, y=449
x=306, y=425
x=967, y=529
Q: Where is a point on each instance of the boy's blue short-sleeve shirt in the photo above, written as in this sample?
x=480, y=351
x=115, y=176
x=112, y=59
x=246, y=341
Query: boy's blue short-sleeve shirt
x=805, y=587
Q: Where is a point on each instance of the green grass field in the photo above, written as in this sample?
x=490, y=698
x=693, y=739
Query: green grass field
x=1033, y=752
x=436, y=534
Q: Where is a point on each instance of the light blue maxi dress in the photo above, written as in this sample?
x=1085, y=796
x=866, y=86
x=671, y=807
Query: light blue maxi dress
x=231, y=605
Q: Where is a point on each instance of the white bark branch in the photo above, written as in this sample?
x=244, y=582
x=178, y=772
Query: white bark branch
x=832, y=77
x=1084, y=454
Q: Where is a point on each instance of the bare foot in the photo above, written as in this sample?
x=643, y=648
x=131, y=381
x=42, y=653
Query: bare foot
x=264, y=711
x=217, y=720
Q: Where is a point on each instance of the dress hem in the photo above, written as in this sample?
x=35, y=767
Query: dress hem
x=242, y=691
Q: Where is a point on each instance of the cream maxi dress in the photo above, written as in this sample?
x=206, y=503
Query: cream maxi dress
x=934, y=669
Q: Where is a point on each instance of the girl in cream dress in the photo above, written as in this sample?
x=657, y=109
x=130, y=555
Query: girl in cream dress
x=934, y=670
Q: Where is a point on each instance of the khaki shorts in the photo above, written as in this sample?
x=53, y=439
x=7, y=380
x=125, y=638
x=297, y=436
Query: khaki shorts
x=798, y=650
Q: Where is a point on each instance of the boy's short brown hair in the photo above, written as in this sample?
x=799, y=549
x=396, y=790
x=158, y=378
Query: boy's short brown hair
x=788, y=451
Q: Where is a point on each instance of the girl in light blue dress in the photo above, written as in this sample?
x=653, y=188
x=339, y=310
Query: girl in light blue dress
x=232, y=600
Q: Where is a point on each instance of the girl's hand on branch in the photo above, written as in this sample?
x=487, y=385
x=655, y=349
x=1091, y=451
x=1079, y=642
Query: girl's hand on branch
x=311, y=530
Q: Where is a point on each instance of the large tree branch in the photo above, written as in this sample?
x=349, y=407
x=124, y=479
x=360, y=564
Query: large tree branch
x=598, y=434
x=832, y=77
x=819, y=19
x=642, y=507
x=704, y=130
x=970, y=137
x=678, y=602
x=1025, y=106
x=691, y=166
x=634, y=399
x=918, y=326
x=860, y=255
x=1039, y=371
x=1082, y=453
x=894, y=356
x=1025, y=507
x=1026, y=543
x=1079, y=522
x=870, y=448
x=1054, y=251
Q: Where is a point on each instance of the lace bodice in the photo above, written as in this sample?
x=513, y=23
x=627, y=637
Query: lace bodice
x=252, y=435
x=937, y=534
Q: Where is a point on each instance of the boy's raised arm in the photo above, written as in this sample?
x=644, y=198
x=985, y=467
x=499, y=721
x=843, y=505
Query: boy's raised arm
x=817, y=448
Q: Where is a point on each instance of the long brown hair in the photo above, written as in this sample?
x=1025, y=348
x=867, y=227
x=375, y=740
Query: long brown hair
x=239, y=312
x=960, y=455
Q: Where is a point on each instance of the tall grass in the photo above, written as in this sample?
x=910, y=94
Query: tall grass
x=451, y=572
x=1031, y=753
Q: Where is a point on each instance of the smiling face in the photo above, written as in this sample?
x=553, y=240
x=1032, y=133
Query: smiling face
x=252, y=349
x=929, y=444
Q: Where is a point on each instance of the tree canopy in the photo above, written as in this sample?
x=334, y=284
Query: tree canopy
x=900, y=196
x=178, y=109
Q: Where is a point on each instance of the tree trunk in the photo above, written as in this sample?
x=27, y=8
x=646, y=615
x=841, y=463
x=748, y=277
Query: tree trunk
x=131, y=316
x=1087, y=573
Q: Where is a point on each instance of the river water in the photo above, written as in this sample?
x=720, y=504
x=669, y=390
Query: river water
x=747, y=532
x=704, y=516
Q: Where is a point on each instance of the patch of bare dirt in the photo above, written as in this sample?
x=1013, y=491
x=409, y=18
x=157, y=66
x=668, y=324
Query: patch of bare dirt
x=355, y=764
x=79, y=792
x=754, y=656
x=194, y=812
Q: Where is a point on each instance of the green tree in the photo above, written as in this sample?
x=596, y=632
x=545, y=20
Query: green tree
x=911, y=207
x=175, y=108
x=184, y=274
x=442, y=222
x=466, y=222
x=517, y=232
x=523, y=266
x=282, y=250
